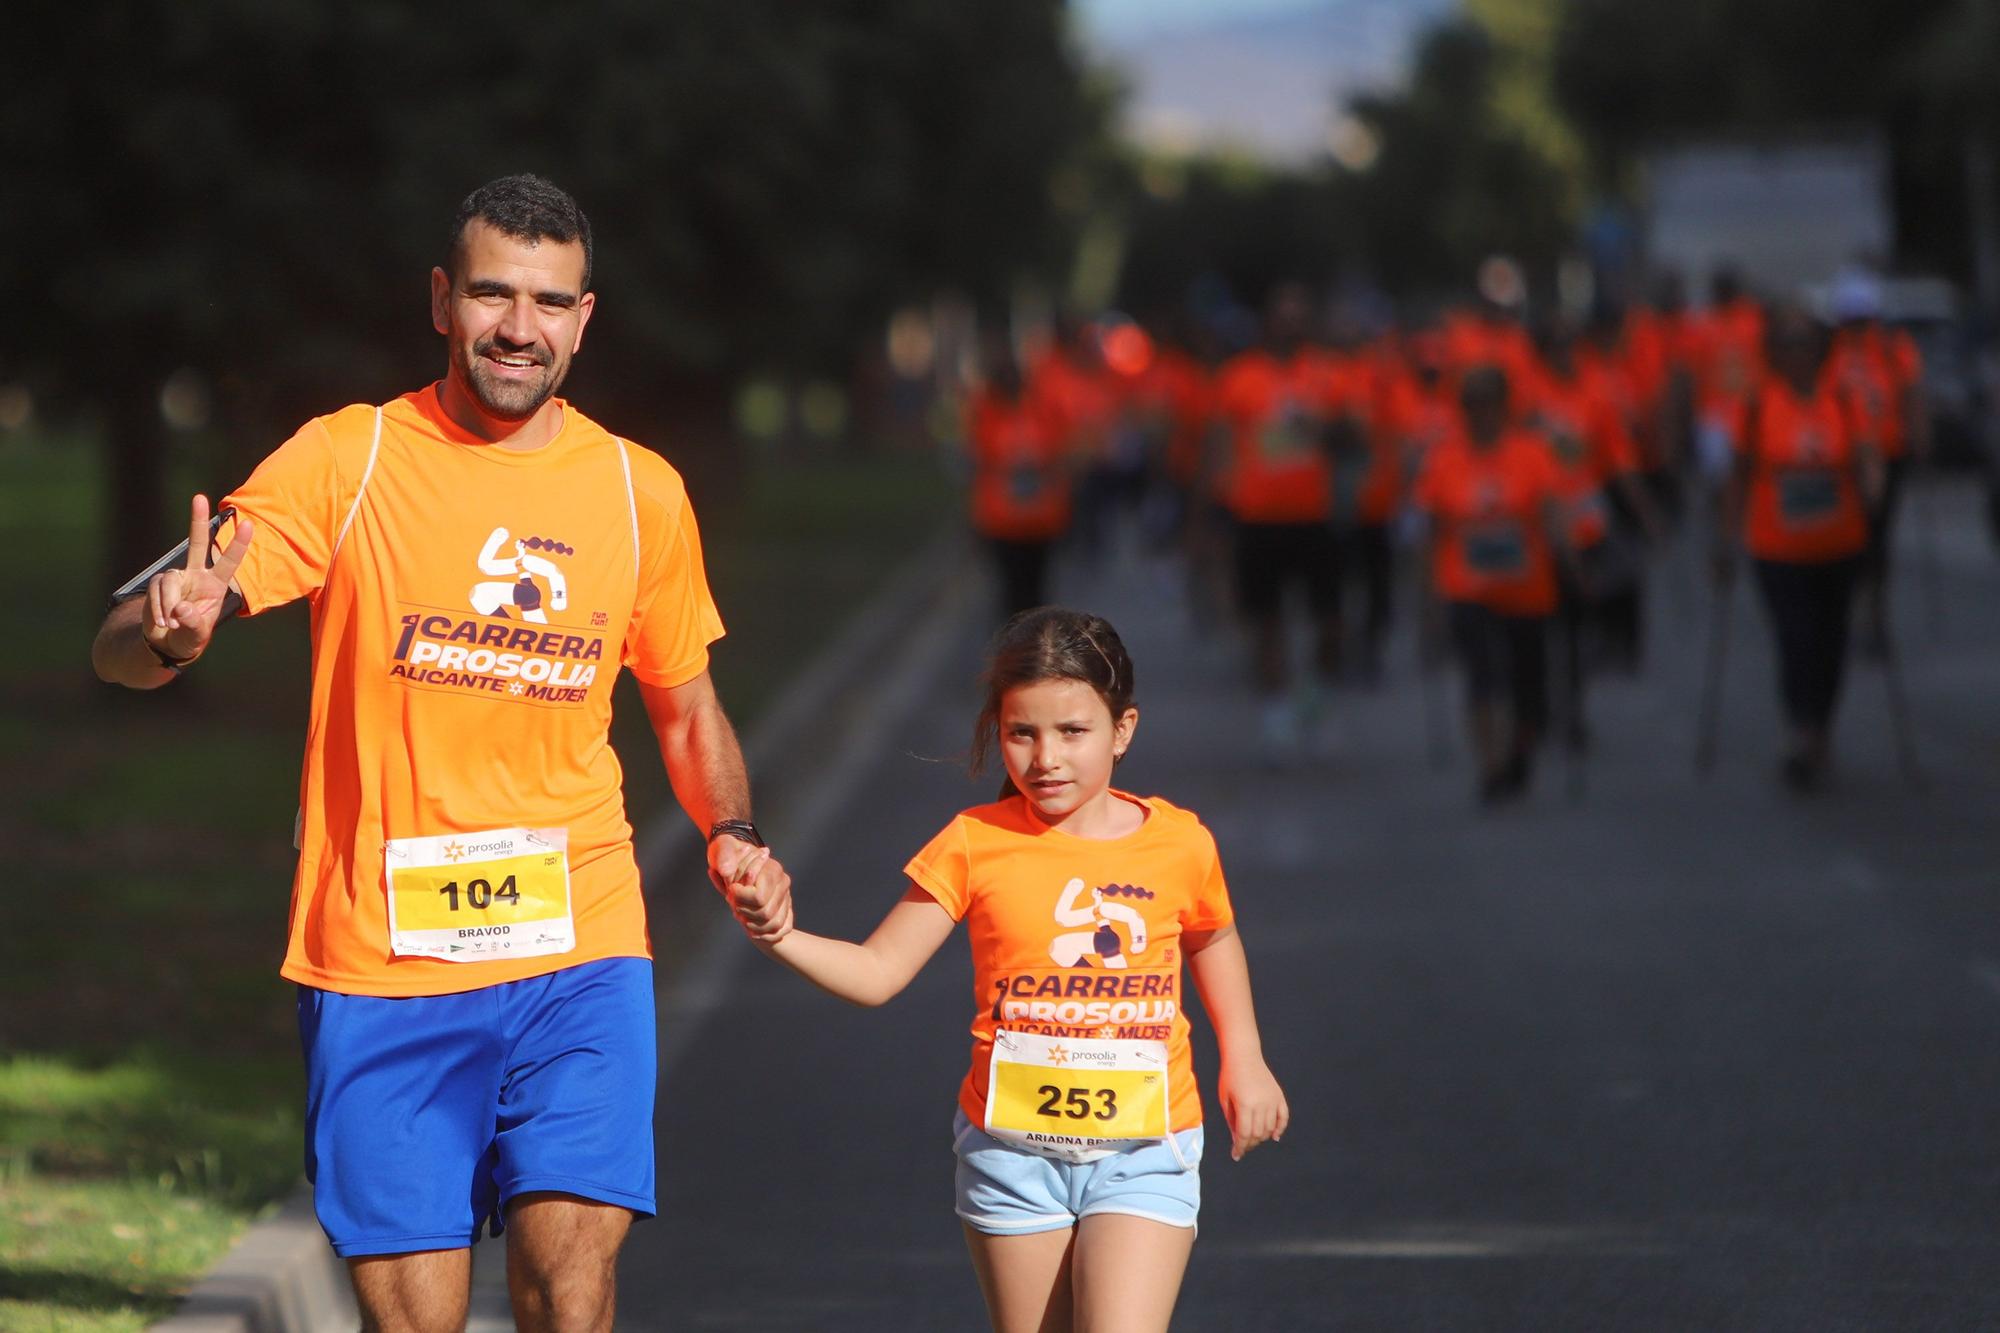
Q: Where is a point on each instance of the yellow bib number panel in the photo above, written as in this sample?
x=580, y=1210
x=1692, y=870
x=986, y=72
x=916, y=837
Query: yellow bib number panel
x=475, y=897
x=1075, y=1099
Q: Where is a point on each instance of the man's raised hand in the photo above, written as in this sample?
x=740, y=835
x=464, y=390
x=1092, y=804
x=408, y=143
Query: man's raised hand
x=182, y=605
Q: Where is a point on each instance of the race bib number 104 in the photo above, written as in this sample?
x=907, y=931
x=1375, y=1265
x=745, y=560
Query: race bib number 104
x=475, y=897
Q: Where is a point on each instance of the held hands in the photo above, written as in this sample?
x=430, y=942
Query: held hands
x=182, y=605
x=1254, y=1105
x=758, y=889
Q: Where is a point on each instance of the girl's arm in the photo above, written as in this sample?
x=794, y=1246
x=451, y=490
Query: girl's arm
x=1250, y=1095
x=876, y=970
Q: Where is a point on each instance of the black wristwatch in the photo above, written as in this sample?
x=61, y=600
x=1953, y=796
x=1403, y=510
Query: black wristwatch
x=737, y=828
x=173, y=664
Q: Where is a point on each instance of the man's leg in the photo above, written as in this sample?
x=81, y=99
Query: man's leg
x=423, y=1292
x=562, y=1262
x=575, y=1140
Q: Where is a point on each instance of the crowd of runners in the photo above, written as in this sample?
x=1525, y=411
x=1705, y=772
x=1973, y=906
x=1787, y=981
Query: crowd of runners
x=1530, y=473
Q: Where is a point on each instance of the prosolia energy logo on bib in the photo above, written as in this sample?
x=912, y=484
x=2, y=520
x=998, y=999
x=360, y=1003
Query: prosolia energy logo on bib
x=509, y=648
x=473, y=897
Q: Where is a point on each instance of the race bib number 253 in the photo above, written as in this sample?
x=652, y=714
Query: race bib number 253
x=1075, y=1099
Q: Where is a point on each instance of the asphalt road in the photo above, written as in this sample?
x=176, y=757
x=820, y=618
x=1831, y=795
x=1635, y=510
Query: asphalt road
x=1657, y=1054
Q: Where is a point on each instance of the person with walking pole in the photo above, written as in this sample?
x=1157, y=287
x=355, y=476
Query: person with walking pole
x=1799, y=492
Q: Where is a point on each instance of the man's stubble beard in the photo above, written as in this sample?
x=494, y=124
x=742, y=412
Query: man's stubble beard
x=509, y=401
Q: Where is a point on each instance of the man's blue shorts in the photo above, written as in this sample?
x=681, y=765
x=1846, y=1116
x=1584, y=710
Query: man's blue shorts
x=426, y=1115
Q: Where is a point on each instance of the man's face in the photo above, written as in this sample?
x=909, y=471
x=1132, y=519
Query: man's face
x=512, y=317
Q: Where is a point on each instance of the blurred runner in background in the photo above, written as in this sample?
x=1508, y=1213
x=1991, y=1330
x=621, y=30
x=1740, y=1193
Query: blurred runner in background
x=1021, y=477
x=1575, y=411
x=1803, y=481
x=1492, y=493
x=1726, y=346
x=1368, y=481
x=1626, y=353
x=1882, y=373
x=1273, y=407
x=1070, y=380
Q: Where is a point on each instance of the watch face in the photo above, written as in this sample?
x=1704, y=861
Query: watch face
x=739, y=828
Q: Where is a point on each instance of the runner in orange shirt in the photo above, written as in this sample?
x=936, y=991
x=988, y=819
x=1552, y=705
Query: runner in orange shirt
x=1800, y=492
x=1574, y=408
x=1492, y=493
x=1369, y=481
x=1728, y=351
x=1882, y=372
x=1273, y=408
x=1071, y=380
x=467, y=931
x=1078, y=1133
x=1021, y=473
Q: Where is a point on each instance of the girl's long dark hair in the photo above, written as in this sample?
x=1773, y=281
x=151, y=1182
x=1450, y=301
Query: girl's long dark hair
x=1050, y=643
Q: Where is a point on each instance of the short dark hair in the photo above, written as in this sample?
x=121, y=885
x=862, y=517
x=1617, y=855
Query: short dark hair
x=527, y=208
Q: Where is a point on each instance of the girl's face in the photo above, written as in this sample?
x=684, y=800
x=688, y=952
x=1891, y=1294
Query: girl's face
x=1059, y=742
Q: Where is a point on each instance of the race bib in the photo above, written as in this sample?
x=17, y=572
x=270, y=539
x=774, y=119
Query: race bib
x=1497, y=550
x=1024, y=483
x=1352, y=468
x=1807, y=496
x=1075, y=1099
x=474, y=897
x=1589, y=519
x=1287, y=436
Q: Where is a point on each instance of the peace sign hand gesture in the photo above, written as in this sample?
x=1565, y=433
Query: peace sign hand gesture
x=182, y=605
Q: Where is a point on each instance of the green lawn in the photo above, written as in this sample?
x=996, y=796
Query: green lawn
x=149, y=1080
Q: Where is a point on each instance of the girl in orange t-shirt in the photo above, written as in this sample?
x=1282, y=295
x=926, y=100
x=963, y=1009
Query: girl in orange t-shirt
x=1079, y=1123
x=1804, y=477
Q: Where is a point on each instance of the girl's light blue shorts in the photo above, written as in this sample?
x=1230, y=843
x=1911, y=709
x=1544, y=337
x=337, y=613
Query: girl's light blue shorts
x=1009, y=1191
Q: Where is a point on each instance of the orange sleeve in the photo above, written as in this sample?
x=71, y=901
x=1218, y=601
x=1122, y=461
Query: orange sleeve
x=1621, y=452
x=1423, y=491
x=1211, y=908
x=298, y=498
x=1906, y=361
x=943, y=869
x=674, y=617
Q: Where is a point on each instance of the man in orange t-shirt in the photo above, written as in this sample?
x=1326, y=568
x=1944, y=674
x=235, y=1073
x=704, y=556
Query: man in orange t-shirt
x=467, y=931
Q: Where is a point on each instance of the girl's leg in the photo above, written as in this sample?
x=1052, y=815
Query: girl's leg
x=1127, y=1273
x=1025, y=1279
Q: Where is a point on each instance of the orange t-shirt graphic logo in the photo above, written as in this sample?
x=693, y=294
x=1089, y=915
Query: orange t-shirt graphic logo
x=1099, y=938
x=524, y=567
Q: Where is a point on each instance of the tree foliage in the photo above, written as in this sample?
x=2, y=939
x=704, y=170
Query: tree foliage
x=257, y=188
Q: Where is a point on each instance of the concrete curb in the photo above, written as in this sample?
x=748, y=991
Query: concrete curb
x=282, y=1277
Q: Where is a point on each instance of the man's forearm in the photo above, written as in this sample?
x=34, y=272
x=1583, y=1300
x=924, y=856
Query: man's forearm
x=705, y=766
x=120, y=655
